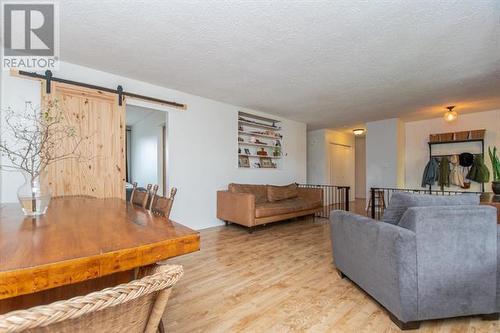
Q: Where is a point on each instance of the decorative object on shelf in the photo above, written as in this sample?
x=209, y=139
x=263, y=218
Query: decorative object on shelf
x=247, y=151
x=239, y=150
x=243, y=162
x=240, y=128
x=277, y=152
x=262, y=152
x=359, y=131
x=257, y=141
x=433, y=137
x=240, y=139
x=277, y=143
x=461, y=136
x=445, y=137
x=450, y=115
x=495, y=166
x=477, y=134
x=33, y=140
x=266, y=162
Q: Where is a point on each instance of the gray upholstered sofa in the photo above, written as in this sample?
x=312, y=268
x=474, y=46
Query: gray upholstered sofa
x=434, y=257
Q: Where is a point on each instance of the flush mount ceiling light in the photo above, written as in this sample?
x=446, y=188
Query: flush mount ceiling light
x=359, y=131
x=450, y=115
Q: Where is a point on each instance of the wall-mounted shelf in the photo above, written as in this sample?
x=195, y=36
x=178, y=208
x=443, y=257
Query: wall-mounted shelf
x=267, y=131
x=251, y=124
x=257, y=145
x=259, y=135
x=259, y=156
x=454, y=141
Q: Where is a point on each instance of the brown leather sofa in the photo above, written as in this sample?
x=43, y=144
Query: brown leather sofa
x=252, y=205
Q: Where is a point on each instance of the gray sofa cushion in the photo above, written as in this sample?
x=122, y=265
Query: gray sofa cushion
x=456, y=251
x=401, y=201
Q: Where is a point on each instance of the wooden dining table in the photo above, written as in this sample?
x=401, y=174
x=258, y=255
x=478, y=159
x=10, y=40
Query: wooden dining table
x=81, y=245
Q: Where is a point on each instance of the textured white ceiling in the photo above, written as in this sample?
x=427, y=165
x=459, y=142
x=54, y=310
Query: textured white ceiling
x=327, y=63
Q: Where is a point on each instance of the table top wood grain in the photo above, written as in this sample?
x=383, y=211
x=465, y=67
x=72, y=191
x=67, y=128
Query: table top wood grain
x=81, y=239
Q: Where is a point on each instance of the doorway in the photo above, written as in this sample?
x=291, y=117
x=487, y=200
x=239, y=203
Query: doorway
x=341, y=166
x=146, y=147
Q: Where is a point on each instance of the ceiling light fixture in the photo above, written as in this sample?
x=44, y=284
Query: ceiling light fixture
x=359, y=131
x=450, y=115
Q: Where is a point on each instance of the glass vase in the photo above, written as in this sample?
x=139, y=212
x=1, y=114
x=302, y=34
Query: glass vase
x=34, y=195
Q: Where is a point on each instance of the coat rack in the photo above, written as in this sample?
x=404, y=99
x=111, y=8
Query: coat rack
x=454, y=141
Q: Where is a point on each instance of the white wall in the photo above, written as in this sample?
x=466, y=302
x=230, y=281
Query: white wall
x=202, y=144
x=417, y=136
x=360, y=167
x=385, y=144
x=146, y=149
x=316, y=157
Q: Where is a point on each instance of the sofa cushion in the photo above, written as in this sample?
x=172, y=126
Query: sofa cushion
x=259, y=191
x=401, y=201
x=278, y=193
x=284, y=206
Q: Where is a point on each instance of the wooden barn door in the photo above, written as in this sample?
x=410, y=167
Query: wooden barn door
x=100, y=169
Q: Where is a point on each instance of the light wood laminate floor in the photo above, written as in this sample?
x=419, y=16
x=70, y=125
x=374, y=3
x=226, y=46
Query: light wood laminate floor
x=278, y=279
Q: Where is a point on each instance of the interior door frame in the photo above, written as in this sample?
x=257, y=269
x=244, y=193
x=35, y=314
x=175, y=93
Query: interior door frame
x=164, y=136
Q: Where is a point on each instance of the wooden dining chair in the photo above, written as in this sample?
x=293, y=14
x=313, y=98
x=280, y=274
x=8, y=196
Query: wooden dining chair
x=140, y=197
x=163, y=205
x=152, y=195
x=132, y=307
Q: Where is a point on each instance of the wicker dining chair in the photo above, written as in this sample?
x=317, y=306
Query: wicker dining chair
x=140, y=197
x=132, y=307
x=163, y=205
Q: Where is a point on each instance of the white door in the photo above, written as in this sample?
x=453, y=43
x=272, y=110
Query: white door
x=342, y=167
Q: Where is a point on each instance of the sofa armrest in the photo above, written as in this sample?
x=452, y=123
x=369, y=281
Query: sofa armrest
x=312, y=194
x=456, y=259
x=236, y=207
x=380, y=258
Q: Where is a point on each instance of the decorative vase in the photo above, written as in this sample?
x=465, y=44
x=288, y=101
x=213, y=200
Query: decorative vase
x=34, y=195
x=495, y=186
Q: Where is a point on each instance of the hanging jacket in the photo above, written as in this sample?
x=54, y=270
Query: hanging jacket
x=456, y=174
x=431, y=173
x=444, y=173
x=479, y=172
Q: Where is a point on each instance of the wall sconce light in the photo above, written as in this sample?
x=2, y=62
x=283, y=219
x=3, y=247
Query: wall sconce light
x=359, y=131
x=450, y=115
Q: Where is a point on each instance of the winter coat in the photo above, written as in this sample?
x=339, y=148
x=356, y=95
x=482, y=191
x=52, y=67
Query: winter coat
x=456, y=174
x=479, y=172
x=444, y=173
x=431, y=173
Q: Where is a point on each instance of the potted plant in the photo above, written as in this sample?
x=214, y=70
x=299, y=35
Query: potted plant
x=31, y=141
x=495, y=164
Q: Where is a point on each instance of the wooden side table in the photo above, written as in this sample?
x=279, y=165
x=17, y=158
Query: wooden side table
x=491, y=199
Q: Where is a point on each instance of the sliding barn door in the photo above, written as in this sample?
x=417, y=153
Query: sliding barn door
x=99, y=170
